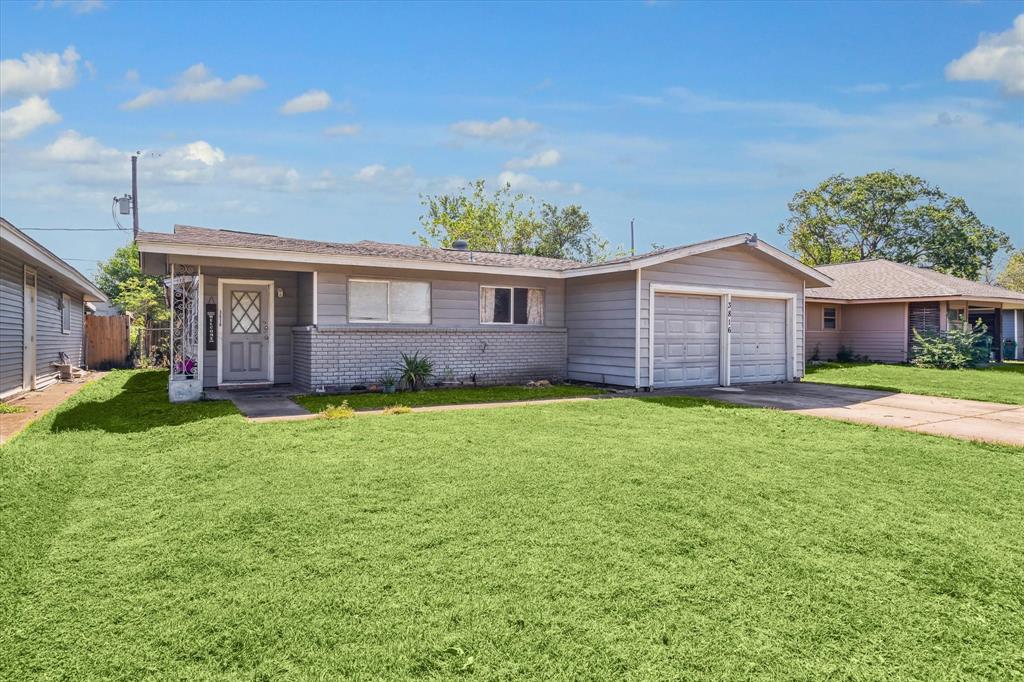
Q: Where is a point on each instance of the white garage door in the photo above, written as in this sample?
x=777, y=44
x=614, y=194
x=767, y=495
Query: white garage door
x=758, y=340
x=686, y=340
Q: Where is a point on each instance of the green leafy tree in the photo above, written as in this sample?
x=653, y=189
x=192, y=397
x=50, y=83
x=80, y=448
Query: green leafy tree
x=1012, y=276
x=894, y=216
x=567, y=233
x=136, y=294
x=501, y=221
x=508, y=222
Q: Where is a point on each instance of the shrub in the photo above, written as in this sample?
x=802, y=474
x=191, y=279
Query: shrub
x=342, y=411
x=844, y=354
x=414, y=370
x=816, y=355
x=957, y=348
x=10, y=409
x=1009, y=349
x=397, y=409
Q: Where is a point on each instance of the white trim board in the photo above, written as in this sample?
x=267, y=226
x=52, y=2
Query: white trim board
x=726, y=294
x=271, y=359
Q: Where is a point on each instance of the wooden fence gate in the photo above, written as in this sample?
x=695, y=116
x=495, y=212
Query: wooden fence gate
x=107, y=342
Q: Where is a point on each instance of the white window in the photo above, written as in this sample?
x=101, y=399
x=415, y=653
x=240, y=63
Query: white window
x=829, y=317
x=384, y=301
x=511, y=305
x=65, y=313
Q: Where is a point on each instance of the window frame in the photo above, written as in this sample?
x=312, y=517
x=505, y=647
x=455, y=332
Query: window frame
x=512, y=304
x=65, y=313
x=835, y=318
x=375, y=280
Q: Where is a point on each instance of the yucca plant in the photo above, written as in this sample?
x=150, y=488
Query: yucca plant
x=415, y=370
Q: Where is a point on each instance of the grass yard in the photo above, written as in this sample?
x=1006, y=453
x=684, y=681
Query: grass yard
x=445, y=396
x=997, y=384
x=609, y=539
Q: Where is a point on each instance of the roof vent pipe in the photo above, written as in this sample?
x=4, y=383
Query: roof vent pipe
x=752, y=239
x=460, y=245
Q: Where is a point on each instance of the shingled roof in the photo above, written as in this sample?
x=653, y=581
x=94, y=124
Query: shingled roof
x=202, y=236
x=886, y=280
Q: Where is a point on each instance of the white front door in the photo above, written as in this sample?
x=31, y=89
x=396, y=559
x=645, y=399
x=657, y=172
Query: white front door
x=245, y=352
x=687, y=336
x=28, y=381
x=758, y=340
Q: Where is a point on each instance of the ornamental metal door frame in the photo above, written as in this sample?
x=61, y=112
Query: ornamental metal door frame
x=269, y=284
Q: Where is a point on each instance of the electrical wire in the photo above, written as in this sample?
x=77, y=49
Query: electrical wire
x=71, y=229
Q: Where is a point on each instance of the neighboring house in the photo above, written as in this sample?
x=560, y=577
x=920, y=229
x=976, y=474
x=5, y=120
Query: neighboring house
x=42, y=311
x=874, y=306
x=323, y=315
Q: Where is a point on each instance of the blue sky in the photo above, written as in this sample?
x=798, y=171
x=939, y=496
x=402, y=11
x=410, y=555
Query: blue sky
x=697, y=120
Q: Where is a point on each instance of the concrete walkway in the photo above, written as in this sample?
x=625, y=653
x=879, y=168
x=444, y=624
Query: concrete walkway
x=37, y=403
x=268, y=404
x=963, y=419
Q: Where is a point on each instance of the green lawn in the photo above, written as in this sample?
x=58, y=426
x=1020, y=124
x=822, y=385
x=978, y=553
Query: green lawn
x=445, y=396
x=998, y=383
x=608, y=539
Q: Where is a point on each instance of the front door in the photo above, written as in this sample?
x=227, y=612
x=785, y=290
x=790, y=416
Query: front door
x=246, y=348
x=28, y=381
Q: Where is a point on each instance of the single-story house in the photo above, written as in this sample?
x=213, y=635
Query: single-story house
x=42, y=312
x=874, y=306
x=253, y=309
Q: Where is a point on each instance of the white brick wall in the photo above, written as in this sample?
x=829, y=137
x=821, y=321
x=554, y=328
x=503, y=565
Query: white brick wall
x=341, y=358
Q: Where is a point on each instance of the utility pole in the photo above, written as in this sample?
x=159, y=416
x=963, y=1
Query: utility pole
x=632, y=239
x=135, y=196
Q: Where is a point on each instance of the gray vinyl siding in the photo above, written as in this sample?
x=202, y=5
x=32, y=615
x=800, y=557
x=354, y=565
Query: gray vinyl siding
x=286, y=311
x=50, y=340
x=454, y=298
x=737, y=268
x=304, y=292
x=601, y=318
x=12, y=337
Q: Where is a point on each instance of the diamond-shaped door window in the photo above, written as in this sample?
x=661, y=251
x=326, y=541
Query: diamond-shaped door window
x=245, y=312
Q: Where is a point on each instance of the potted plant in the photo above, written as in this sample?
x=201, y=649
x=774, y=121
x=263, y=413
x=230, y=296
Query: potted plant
x=448, y=377
x=414, y=371
x=387, y=382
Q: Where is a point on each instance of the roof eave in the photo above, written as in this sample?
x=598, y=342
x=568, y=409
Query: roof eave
x=147, y=245
x=37, y=252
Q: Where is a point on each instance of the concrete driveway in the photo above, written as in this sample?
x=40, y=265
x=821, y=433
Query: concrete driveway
x=963, y=419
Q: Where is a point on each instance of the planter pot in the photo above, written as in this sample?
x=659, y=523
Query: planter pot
x=389, y=389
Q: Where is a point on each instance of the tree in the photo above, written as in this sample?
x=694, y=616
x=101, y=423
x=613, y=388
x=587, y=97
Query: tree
x=502, y=221
x=567, y=233
x=139, y=295
x=507, y=222
x=888, y=215
x=1012, y=276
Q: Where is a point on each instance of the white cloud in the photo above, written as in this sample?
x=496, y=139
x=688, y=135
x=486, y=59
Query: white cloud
x=544, y=159
x=382, y=176
x=197, y=84
x=998, y=57
x=345, y=130
x=312, y=100
x=865, y=89
x=503, y=128
x=39, y=72
x=22, y=119
x=71, y=147
x=78, y=6
x=528, y=183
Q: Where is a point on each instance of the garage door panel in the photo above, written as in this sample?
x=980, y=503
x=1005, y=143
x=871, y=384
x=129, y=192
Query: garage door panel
x=686, y=340
x=758, y=345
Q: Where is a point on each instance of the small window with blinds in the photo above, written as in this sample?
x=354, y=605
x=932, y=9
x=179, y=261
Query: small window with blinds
x=512, y=305
x=829, y=318
x=388, y=301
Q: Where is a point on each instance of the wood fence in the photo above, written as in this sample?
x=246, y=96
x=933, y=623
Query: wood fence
x=107, y=342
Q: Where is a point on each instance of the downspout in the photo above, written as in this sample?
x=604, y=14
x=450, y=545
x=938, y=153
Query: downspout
x=636, y=335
